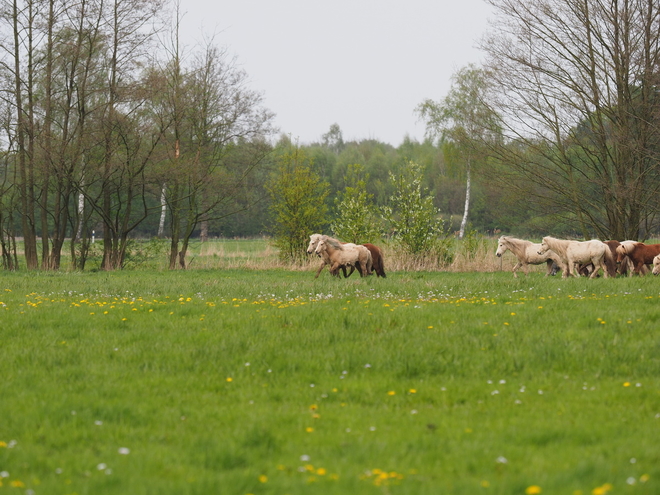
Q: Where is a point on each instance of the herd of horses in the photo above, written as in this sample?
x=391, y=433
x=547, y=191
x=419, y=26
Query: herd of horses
x=583, y=258
x=366, y=258
x=572, y=258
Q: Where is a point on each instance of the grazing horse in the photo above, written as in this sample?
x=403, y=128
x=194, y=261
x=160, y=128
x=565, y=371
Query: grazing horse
x=527, y=254
x=656, y=265
x=640, y=254
x=345, y=254
x=572, y=252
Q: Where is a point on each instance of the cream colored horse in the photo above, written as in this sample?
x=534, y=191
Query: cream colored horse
x=341, y=255
x=656, y=265
x=314, y=240
x=527, y=254
x=573, y=252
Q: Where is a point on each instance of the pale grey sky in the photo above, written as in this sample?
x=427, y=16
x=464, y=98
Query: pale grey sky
x=363, y=64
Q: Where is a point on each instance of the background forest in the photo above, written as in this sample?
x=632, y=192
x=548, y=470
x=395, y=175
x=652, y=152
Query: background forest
x=113, y=131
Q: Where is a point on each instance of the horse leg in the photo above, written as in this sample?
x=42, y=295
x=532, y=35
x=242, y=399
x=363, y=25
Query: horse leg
x=318, y=272
x=603, y=265
x=343, y=267
x=515, y=268
x=598, y=264
x=548, y=265
x=334, y=269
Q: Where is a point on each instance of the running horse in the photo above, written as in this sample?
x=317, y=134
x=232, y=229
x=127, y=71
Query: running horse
x=527, y=254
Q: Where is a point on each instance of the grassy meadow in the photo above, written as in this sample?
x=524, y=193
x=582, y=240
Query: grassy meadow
x=267, y=381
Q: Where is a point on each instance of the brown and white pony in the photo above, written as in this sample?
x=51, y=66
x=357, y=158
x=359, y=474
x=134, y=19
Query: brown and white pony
x=640, y=255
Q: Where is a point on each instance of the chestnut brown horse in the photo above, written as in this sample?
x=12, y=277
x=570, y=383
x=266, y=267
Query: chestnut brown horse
x=640, y=255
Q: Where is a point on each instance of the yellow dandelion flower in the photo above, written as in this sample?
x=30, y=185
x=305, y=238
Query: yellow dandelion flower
x=644, y=478
x=412, y=391
x=230, y=379
x=3, y=444
x=626, y=384
x=533, y=489
x=17, y=484
x=391, y=392
x=485, y=484
x=263, y=478
x=309, y=429
x=430, y=326
x=313, y=407
x=321, y=471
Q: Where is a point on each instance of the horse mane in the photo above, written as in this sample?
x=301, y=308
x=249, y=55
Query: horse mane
x=629, y=246
x=333, y=242
x=559, y=246
x=517, y=246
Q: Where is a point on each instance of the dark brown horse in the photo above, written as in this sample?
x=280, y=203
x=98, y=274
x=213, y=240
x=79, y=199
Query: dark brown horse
x=377, y=257
x=641, y=255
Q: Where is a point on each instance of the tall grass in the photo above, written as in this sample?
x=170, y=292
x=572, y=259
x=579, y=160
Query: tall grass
x=270, y=381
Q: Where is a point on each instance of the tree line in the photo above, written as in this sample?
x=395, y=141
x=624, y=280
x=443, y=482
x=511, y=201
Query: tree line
x=112, y=128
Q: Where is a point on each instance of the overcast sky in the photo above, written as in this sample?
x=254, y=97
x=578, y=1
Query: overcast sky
x=362, y=64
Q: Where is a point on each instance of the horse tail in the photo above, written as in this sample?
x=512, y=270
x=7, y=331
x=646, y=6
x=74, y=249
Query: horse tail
x=610, y=262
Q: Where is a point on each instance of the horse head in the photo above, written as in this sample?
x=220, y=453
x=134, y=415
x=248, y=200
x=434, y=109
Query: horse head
x=623, y=249
x=313, y=242
x=544, y=246
x=656, y=265
x=320, y=246
x=501, y=246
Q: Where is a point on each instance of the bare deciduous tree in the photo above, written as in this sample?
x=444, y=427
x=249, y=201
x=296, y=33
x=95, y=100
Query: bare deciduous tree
x=577, y=89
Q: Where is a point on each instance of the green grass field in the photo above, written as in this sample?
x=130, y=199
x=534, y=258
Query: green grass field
x=272, y=382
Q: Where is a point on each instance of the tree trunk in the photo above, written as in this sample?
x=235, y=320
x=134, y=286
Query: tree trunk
x=468, y=186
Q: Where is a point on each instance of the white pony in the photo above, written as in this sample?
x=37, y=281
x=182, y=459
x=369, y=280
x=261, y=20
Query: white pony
x=656, y=265
x=572, y=252
x=527, y=253
x=341, y=255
